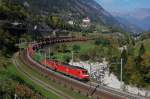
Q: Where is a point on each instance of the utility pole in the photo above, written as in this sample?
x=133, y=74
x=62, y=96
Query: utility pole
x=45, y=58
x=82, y=65
x=72, y=57
x=19, y=45
x=121, y=72
x=90, y=69
x=15, y=96
x=49, y=53
x=90, y=76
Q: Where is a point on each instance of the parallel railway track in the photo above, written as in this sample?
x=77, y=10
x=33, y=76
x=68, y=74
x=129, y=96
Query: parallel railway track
x=38, y=81
x=99, y=92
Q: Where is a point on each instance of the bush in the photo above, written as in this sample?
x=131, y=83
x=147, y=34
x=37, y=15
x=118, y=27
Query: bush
x=103, y=42
x=76, y=48
x=84, y=57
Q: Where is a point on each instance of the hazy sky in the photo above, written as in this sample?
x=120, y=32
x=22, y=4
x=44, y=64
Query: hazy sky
x=123, y=5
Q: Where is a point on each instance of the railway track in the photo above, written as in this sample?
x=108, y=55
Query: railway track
x=118, y=92
x=40, y=82
x=99, y=92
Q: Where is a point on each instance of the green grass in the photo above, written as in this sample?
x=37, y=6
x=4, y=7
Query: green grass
x=84, y=47
x=44, y=92
x=11, y=72
x=146, y=45
x=46, y=80
x=60, y=56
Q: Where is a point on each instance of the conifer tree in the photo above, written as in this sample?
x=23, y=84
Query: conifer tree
x=142, y=50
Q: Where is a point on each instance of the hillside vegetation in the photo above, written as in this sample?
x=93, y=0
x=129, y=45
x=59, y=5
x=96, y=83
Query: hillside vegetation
x=53, y=15
x=12, y=83
x=136, y=56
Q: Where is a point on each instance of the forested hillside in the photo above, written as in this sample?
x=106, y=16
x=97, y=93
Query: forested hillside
x=12, y=85
x=32, y=19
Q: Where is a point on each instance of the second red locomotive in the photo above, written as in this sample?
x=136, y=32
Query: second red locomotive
x=73, y=71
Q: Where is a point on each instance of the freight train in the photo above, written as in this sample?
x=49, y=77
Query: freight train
x=72, y=71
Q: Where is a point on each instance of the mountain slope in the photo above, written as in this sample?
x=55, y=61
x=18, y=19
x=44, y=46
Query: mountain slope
x=139, y=17
x=72, y=9
x=129, y=25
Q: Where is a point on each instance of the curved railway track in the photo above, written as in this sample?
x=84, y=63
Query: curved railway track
x=38, y=81
x=98, y=92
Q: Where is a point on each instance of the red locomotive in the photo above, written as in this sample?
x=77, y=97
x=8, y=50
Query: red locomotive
x=73, y=71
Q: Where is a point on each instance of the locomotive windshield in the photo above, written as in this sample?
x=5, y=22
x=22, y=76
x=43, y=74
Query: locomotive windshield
x=84, y=72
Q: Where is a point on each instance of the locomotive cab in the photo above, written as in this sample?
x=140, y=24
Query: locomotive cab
x=84, y=74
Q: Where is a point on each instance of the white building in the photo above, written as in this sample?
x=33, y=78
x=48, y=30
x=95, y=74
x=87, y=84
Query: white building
x=86, y=22
x=70, y=22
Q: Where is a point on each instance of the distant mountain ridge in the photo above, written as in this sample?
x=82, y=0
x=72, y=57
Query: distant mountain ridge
x=131, y=26
x=139, y=17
